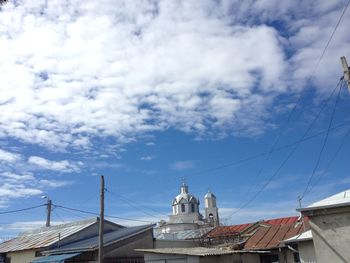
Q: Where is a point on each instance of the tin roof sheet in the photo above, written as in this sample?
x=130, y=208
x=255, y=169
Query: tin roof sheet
x=339, y=199
x=304, y=236
x=197, y=251
x=185, y=234
x=91, y=243
x=272, y=236
x=45, y=236
x=224, y=231
x=55, y=258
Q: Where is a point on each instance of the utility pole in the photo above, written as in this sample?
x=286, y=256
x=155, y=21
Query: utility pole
x=101, y=228
x=48, y=211
x=346, y=69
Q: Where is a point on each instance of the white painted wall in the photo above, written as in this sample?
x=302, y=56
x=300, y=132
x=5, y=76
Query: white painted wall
x=307, y=252
x=24, y=256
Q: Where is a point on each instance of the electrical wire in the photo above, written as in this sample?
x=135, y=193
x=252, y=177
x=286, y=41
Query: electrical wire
x=303, y=90
x=21, y=210
x=323, y=145
x=96, y=214
x=245, y=204
x=330, y=162
x=133, y=204
x=58, y=216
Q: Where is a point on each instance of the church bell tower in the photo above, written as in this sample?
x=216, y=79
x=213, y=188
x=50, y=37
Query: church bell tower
x=211, y=210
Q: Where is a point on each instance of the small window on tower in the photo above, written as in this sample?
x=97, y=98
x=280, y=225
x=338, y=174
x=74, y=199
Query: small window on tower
x=182, y=208
x=192, y=208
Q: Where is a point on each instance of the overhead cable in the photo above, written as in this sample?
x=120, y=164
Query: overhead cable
x=262, y=188
x=323, y=145
x=133, y=204
x=318, y=179
x=21, y=210
x=97, y=214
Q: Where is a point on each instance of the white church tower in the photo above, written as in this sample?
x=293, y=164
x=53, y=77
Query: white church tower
x=185, y=207
x=211, y=210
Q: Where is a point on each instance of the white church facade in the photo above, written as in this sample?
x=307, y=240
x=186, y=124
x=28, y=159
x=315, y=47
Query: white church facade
x=186, y=213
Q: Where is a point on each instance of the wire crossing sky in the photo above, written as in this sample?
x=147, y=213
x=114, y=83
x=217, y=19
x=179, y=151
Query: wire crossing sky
x=222, y=93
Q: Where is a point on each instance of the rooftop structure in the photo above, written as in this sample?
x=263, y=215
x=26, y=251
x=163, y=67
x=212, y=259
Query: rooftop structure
x=47, y=236
x=337, y=200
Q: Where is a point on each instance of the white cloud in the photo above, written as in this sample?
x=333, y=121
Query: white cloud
x=182, y=165
x=146, y=158
x=17, y=190
x=64, y=166
x=8, y=156
x=53, y=183
x=22, y=185
x=128, y=69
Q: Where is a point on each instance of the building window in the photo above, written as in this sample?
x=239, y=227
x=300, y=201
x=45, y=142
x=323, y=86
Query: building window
x=193, y=209
x=183, y=208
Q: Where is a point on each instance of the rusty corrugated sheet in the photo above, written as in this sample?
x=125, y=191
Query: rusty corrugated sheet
x=271, y=236
x=44, y=237
x=222, y=231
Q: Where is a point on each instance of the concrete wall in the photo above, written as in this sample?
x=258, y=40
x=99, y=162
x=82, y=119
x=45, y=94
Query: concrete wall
x=331, y=234
x=24, y=256
x=307, y=252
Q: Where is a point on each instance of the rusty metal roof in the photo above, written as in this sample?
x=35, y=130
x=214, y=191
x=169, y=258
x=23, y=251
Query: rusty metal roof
x=233, y=230
x=45, y=236
x=224, y=231
x=282, y=220
x=272, y=235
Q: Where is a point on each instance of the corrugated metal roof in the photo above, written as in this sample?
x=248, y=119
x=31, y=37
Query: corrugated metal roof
x=269, y=237
x=224, y=231
x=282, y=220
x=197, y=251
x=44, y=237
x=339, y=199
x=55, y=258
x=108, y=239
x=185, y=234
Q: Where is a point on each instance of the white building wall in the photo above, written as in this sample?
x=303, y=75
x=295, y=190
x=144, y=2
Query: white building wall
x=24, y=256
x=307, y=252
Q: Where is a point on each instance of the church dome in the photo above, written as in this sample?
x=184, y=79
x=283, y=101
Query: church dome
x=185, y=195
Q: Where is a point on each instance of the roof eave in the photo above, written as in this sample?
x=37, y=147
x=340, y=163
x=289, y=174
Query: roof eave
x=306, y=209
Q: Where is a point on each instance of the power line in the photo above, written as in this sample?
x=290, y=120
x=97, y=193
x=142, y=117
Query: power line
x=330, y=162
x=133, y=204
x=59, y=217
x=21, y=210
x=332, y=35
x=288, y=156
x=323, y=145
x=97, y=214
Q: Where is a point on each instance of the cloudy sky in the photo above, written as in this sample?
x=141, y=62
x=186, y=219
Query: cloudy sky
x=149, y=92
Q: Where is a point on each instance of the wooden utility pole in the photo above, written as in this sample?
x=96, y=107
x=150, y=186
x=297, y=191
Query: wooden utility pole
x=48, y=212
x=346, y=69
x=101, y=228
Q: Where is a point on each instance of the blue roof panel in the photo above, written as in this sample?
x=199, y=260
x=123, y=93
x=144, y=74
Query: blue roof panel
x=55, y=258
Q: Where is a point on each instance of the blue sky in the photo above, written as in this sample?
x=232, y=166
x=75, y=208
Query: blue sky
x=149, y=92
